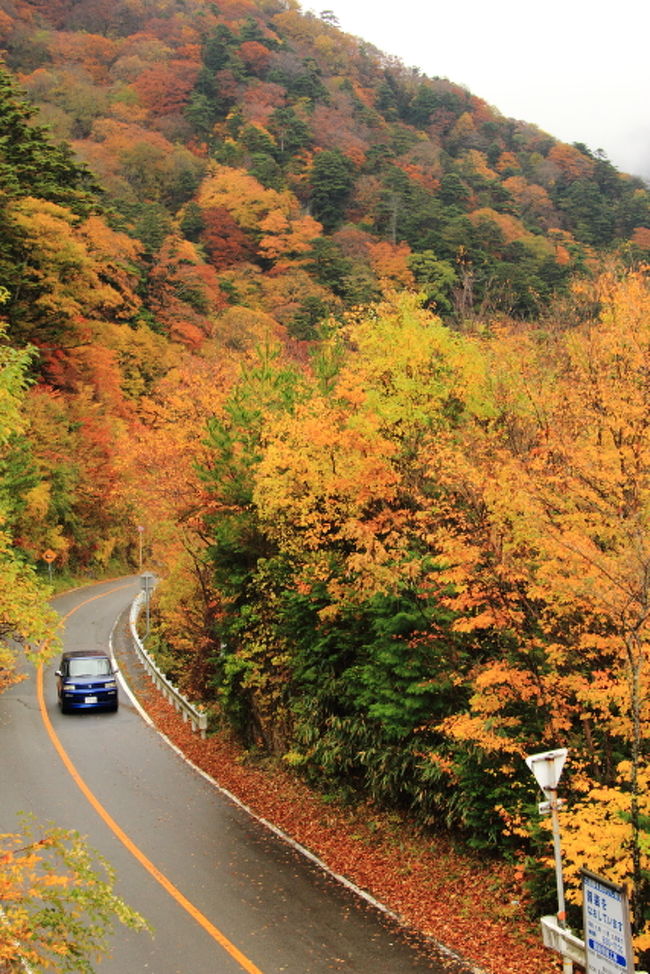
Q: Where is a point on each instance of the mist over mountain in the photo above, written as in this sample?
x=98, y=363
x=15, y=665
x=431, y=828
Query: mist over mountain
x=287, y=151
x=595, y=91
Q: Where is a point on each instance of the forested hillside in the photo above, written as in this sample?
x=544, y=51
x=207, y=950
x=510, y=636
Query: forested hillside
x=368, y=364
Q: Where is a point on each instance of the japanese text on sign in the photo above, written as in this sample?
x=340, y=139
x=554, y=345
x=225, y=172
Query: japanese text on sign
x=608, y=939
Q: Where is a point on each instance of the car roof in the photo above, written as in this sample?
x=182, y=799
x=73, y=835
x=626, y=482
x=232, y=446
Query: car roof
x=84, y=654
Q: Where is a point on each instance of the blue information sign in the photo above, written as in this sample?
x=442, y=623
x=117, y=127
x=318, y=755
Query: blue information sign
x=608, y=937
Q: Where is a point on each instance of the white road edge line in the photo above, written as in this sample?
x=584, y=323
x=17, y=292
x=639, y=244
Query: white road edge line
x=125, y=686
x=283, y=836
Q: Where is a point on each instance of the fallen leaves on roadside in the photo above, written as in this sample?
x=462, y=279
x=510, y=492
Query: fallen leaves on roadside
x=471, y=906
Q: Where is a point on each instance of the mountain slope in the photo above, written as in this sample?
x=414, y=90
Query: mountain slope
x=308, y=167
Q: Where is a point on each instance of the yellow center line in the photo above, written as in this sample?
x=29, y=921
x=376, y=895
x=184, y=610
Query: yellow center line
x=160, y=878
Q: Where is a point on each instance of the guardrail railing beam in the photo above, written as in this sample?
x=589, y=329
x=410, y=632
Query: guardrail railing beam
x=198, y=719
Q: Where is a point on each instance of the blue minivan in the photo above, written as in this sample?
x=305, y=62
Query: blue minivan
x=86, y=680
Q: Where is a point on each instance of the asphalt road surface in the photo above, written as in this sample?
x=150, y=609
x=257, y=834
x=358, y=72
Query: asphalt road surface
x=222, y=893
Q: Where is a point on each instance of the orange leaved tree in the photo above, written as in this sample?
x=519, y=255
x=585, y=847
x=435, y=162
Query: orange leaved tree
x=556, y=556
x=57, y=905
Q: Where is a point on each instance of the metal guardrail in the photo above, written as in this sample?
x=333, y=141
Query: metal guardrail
x=197, y=718
x=563, y=941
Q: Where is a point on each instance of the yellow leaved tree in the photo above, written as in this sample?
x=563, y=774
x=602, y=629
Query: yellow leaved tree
x=556, y=555
x=25, y=619
x=58, y=901
x=57, y=897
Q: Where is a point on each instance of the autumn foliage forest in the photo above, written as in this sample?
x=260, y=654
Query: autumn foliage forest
x=370, y=364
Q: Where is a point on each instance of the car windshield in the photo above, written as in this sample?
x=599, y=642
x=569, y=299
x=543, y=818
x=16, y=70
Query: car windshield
x=89, y=666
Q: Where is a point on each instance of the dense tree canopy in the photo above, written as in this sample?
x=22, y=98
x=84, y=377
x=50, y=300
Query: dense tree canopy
x=367, y=362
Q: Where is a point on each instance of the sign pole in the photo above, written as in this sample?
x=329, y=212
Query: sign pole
x=547, y=768
x=147, y=581
x=567, y=963
x=48, y=557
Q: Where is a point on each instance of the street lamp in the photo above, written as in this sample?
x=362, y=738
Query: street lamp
x=140, y=535
x=547, y=768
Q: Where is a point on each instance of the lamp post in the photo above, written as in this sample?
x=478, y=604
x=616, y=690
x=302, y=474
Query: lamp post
x=140, y=534
x=547, y=768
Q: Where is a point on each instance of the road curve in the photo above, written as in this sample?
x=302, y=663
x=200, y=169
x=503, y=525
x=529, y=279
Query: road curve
x=224, y=895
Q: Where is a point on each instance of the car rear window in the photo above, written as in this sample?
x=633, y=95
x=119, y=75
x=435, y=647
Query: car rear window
x=91, y=666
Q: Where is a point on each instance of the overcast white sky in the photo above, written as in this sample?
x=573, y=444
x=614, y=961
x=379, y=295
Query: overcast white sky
x=578, y=69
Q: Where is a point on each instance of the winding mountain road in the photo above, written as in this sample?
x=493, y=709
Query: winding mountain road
x=223, y=893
